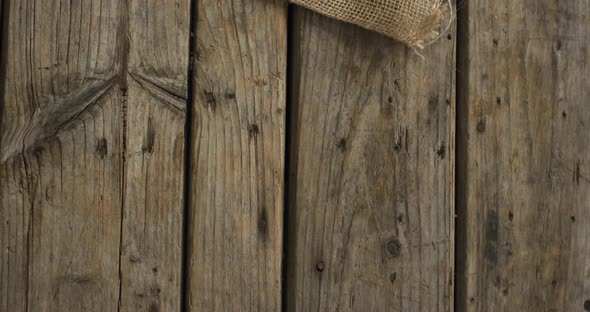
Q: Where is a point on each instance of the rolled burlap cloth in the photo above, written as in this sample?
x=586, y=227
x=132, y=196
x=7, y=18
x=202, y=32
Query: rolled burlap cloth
x=414, y=22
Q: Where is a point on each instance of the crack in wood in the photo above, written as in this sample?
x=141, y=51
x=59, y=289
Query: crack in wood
x=46, y=123
x=171, y=95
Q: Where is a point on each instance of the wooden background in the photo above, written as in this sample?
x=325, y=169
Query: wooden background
x=247, y=155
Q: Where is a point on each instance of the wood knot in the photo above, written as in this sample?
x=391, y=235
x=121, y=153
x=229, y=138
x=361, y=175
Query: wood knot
x=342, y=144
x=253, y=131
x=101, y=147
x=230, y=95
x=442, y=151
x=150, y=137
x=398, y=145
x=210, y=99
x=320, y=266
x=393, y=247
x=38, y=151
x=263, y=223
x=481, y=126
x=393, y=277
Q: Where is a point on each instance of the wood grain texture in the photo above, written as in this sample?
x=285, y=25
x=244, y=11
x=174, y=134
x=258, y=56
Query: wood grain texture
x=60, y=188
x=151, y=255
x=370, y=200
x=238, y=129
x=91, y=167
x=526, y=202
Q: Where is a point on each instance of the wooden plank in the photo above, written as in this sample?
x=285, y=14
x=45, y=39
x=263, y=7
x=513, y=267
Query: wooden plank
x=92, y=145
x=61, y=127
x=236, y=194
x=370, y=200
x=526, y=156
x=151, y=255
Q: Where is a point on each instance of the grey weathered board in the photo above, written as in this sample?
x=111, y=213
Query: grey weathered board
x=91, y=164
x=524, y=164
x=370, y=198
x=236, y=176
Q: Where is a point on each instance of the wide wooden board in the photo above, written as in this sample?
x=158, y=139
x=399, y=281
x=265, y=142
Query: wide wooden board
x=371, y=158
x=91, y=164
x=60, y=189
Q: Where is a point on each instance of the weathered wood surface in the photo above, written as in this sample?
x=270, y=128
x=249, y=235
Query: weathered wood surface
x=156, y=78
x=370, y=199
x=238, y=129
x=92, y=114
x=91, y=133
x=59, y=161
x=526, y=157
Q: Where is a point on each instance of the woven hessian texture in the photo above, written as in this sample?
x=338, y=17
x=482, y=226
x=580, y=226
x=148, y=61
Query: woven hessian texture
x=415, y=22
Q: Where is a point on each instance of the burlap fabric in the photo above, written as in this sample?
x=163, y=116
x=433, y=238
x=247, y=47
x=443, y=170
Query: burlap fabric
x=415, y=22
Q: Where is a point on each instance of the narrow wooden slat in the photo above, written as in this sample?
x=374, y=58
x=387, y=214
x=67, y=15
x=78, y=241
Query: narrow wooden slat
x=156, y=77
x=370, y=200
x=60, y=191
x=236, y=195
x=526, y=203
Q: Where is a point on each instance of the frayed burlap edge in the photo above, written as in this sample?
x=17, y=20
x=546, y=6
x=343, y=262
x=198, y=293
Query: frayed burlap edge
x=427, y=31
x=431, y=27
